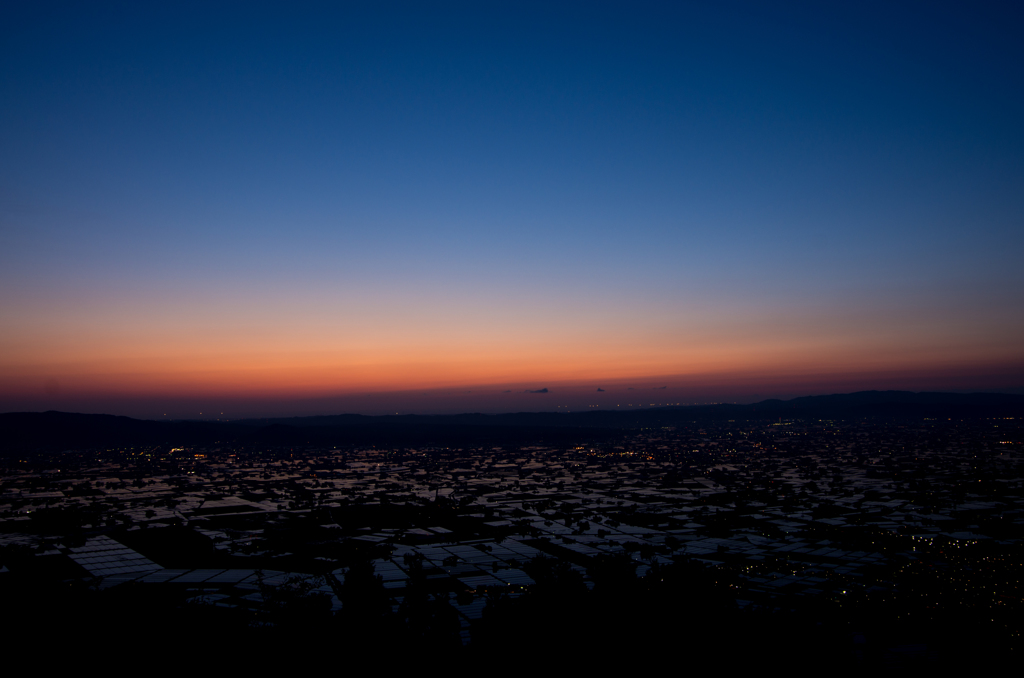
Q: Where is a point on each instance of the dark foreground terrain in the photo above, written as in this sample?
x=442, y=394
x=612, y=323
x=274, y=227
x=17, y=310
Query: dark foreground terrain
x=871, y=540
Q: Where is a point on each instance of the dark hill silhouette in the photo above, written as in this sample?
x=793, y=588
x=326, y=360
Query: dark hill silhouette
x=42, y=431
x=29, y=430
x=843, y=405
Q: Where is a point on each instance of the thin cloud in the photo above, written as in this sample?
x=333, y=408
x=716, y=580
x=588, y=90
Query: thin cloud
x=600, y=390
x=541, y=390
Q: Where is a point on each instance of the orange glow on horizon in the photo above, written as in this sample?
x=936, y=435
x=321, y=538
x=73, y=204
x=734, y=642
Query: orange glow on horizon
x=282, y=352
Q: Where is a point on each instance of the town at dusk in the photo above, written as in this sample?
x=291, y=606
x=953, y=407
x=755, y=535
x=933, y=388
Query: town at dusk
x=573, y=331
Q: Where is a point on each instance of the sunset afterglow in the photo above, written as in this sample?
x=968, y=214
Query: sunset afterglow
x=355, y=210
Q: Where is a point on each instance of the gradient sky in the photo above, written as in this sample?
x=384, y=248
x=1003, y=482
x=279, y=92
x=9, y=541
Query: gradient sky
x=305, y=208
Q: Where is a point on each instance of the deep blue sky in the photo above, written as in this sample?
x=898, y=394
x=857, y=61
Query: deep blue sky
x=400, y=185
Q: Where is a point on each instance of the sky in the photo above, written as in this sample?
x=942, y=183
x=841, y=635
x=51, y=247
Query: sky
x=258, y=209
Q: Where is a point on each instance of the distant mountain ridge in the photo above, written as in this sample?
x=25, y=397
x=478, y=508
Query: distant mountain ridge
x=869, y=402
x=63, y=430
